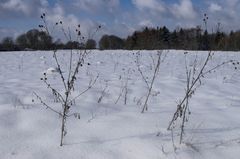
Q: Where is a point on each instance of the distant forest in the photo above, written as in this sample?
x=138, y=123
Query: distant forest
x=147, y=39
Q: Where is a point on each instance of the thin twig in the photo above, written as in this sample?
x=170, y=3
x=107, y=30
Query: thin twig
x=60, y=70
x=156, y=70
x=48, y=107
x=89, y=87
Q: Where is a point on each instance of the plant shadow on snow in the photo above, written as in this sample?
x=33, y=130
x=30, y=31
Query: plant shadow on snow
x=96, y=140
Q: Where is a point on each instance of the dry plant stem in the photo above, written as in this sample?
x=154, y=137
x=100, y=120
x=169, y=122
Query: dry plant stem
x=189, y=91
x=67, y=81
x=47, y=106
x=156, y=70
x=59, y=69
x=193, y=82
x=88, y=88
x=120, y=94
x=70, y=86
x=64, y=121
x=140, y=71
x=64, y=33
x=94, y=33
x=188, y=73
x=103, y=93
x=45, y=24
x=126, y=92
x=59, y=96
x=124, y=88
x=70, y=64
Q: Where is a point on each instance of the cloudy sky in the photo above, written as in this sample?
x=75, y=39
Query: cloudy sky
x=119, y=17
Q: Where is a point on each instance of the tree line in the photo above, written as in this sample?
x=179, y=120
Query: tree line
x=147, y=38
x=184, y=39
x=40, y=40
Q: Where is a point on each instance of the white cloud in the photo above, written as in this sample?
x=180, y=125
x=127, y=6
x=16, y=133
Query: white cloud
x=146, y=23
x=121, y=21
x=184, y=10
x=97, y=5
x=226, y=12
x=153, y=5
x=69, y=22
x=215, y=7
x=232, y=3
x=120, y=29
x=17, y=5
x=6, y=32
x=16, y=8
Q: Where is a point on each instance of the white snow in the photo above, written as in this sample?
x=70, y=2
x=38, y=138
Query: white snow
x=51, y=70
x=116, y=131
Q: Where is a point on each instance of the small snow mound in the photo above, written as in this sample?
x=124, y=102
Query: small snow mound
x=42, y=57
x=100, y=62
x=51, y=70
x=141, y=66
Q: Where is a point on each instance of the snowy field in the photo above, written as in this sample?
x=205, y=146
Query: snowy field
x=109, y=128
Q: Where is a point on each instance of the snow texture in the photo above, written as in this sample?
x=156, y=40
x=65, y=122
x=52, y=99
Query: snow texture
x=117, y=131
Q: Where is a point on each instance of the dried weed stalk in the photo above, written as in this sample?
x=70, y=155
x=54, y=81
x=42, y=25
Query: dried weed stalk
x=194, y=78
x=149, y=81
x=68, y=79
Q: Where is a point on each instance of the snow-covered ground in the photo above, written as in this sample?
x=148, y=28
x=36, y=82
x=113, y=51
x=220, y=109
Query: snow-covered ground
x=114, y=130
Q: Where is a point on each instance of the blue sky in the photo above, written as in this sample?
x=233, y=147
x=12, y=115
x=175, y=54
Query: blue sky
x=119, y=17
